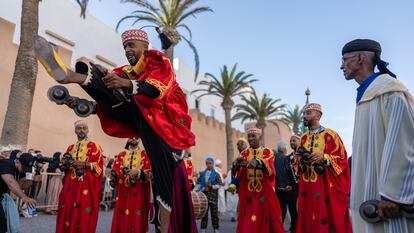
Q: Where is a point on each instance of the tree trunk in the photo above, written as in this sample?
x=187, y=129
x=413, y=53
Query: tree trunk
x=229, y=137
x=262, y=137
x=296, y=128
x=170, y=54
x=17, y=121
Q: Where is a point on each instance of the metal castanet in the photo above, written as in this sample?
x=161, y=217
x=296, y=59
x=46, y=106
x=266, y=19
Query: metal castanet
x=306, y=156
x=67, y=163
x=370, y=213
x=60, y=95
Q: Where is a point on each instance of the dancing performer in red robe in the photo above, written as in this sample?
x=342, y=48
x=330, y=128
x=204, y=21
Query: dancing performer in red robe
x=132, y=168
x=79, y=199
x=259, y=209
x=190, y=171
x=323, y=198
x=143, y=100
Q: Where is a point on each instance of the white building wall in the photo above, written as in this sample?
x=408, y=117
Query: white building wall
x=92, y=38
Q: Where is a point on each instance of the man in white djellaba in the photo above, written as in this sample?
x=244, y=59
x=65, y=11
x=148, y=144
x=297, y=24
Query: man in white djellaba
x=221, y=191
x=383, y=143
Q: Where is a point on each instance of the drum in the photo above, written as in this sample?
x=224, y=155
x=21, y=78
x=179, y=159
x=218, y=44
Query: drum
x=200, y=204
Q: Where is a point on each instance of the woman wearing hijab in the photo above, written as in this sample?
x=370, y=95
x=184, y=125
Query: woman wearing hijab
x=54, y=186
x=210, y=182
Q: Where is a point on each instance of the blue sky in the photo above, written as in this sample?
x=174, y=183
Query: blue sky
x=292, y=45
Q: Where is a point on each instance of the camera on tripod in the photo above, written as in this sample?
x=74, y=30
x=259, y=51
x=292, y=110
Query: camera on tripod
x=306, y=156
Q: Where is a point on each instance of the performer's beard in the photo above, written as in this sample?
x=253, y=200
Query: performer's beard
x=307, y=123
x=135, y=145
x=132, y=59
x=82, y=136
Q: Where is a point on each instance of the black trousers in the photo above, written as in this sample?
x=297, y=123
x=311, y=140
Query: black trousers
x=282, y=197
x=3, y=221
x=163, y=163
x=292, y=200
x=288, y=199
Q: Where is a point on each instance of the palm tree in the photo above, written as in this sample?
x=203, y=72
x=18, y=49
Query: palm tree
x=169, y=16
x=17, y=120
x=295, y=118
x=83, y=4
x=261, y=110
x=232, y=84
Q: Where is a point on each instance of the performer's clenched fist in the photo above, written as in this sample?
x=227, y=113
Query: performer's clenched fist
x=113, y=81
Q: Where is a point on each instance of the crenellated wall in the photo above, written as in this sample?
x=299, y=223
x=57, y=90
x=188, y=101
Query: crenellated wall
x=210, y=139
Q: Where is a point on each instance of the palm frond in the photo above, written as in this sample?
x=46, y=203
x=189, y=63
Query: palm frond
x=196, y=57
x=260, y=109
x=227, y=87
x=169, y=15
x=123, y=19
x=145, y=18
x=83, y=5
x=165, y=13
x=188, y=30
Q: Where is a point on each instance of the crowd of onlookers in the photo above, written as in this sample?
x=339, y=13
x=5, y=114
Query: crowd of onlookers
x=44, y=182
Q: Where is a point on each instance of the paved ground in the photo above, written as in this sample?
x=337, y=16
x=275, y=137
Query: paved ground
x=46, y=224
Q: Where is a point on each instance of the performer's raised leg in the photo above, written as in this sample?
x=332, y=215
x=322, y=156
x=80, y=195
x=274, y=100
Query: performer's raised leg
x=155, y=110
x=53, y=64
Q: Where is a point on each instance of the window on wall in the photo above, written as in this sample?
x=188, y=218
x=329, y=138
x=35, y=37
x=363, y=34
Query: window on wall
x=186, y=93
x=212, y=111
x=197, y=104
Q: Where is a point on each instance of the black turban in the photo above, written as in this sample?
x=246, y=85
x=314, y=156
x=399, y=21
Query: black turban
x=370, y=46
x=362, y=45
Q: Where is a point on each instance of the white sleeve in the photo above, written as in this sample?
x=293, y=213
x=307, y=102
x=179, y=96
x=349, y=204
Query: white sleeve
x=397, y=162
x=134, y=87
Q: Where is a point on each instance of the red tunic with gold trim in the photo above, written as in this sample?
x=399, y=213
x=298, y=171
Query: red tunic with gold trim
x=167, y=114
x=323, y=200
x=80, y=196
x=259, y=209
x=190, y=172
x=132, y=202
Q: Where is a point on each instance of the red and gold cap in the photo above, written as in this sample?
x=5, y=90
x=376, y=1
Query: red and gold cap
x=134, y=34
x=254, y=130
x=313, y=106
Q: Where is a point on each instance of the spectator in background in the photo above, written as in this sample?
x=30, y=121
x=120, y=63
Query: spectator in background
x=54, y=185
x=9, y=171
x=221, y=195
x=5, y=152
x=292, y=195
x=282, y=177
x=210, y=181
x=232, y=197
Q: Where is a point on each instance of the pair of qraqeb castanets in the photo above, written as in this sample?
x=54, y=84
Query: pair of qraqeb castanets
x=370, y=213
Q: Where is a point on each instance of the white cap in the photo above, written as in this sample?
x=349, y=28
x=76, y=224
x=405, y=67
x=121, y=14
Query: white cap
x=7, y=148
x=218, y=162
